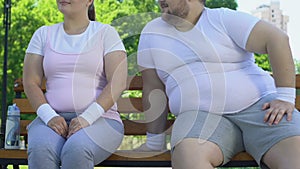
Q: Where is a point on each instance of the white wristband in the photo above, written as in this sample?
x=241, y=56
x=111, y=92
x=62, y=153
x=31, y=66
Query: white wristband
x=92, y=113
x=46, y=113
x=156, y=141
x=287, y=94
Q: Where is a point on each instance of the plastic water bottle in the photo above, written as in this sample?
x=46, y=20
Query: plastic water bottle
x=12, y=132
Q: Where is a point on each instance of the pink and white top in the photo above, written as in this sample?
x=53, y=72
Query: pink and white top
x=74, y=64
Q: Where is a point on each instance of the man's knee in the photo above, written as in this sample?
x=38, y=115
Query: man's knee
x=191, y=151
x=284, y=154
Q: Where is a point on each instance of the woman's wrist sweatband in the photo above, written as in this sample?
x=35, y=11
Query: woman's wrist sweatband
x=46, y=113
x=156, y=141
x=92, y=113
x=287, y=94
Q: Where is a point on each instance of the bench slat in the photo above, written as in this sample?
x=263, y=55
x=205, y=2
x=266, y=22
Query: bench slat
x=130, y=105
x=24, y=106
x=118, y=155
x=126, y=156
x=23, y=126
x=125, y=105
x=297, y=81
x=16, y=154
x=133, y=83
x=132, y=127
x=139, y=127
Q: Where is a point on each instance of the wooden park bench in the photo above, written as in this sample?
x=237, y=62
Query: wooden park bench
x=121, y=158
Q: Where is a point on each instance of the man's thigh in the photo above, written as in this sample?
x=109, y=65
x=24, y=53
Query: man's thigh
x=259, y=136
x=215, y=129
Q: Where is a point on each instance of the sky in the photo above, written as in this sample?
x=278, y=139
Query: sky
x=288, y=8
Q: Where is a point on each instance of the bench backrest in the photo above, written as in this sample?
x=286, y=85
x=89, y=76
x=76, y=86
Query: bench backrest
x=126, y=106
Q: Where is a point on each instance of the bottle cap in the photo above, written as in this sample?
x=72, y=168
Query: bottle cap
x=13, y=110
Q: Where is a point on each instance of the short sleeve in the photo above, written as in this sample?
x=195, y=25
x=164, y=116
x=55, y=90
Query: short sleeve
x=112, y=41
x=238, y=25
x=144, y=57
x=38, y=41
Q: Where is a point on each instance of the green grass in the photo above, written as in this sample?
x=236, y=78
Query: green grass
x=21, y=167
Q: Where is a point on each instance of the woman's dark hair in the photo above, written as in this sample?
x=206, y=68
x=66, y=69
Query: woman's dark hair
x=203, y=1
x=91, y=12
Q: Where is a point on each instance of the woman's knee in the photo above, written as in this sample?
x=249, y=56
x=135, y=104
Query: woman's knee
x=82, y=155
x=75, y=148
x=42, y=154
x=78, y=148
x=48, y=146
x=192, y=151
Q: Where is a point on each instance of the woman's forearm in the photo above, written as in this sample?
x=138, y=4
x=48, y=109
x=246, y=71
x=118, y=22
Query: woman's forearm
x=111, y=94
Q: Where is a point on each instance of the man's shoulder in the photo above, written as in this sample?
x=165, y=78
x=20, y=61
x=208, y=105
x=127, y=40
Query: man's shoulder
x=156, y=21
x=216, y=15
x=157, y=24
x=217, y=11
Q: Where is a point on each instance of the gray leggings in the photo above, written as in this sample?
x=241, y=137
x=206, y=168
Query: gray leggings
x=84, y=149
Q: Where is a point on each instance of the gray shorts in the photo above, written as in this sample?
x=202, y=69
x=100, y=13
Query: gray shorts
x=233, y=133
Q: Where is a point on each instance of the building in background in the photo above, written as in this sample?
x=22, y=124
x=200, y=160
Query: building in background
x=273, y=14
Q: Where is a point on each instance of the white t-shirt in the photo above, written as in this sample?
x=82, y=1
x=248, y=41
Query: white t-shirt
x=74, y=64
x=206, y=68
x=65, y=43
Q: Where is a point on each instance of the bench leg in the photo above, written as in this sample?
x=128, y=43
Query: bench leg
x=16, y=166
x=3, y=166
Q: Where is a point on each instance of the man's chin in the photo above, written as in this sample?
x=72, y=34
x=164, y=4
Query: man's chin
x=165, y=17
x=171, y=19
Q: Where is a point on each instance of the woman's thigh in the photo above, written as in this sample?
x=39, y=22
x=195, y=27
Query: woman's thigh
x=44, y=145
x=100, y=139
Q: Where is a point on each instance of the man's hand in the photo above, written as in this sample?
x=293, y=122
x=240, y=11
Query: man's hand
x=276, y=109
x=59, y=125
x=77, y=124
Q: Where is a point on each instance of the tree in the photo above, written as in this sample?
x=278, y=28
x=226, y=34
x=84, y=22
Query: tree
x=231, y=4
x=26, y=17
x=129, y=18
x=262, y=60
x=130, y=26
